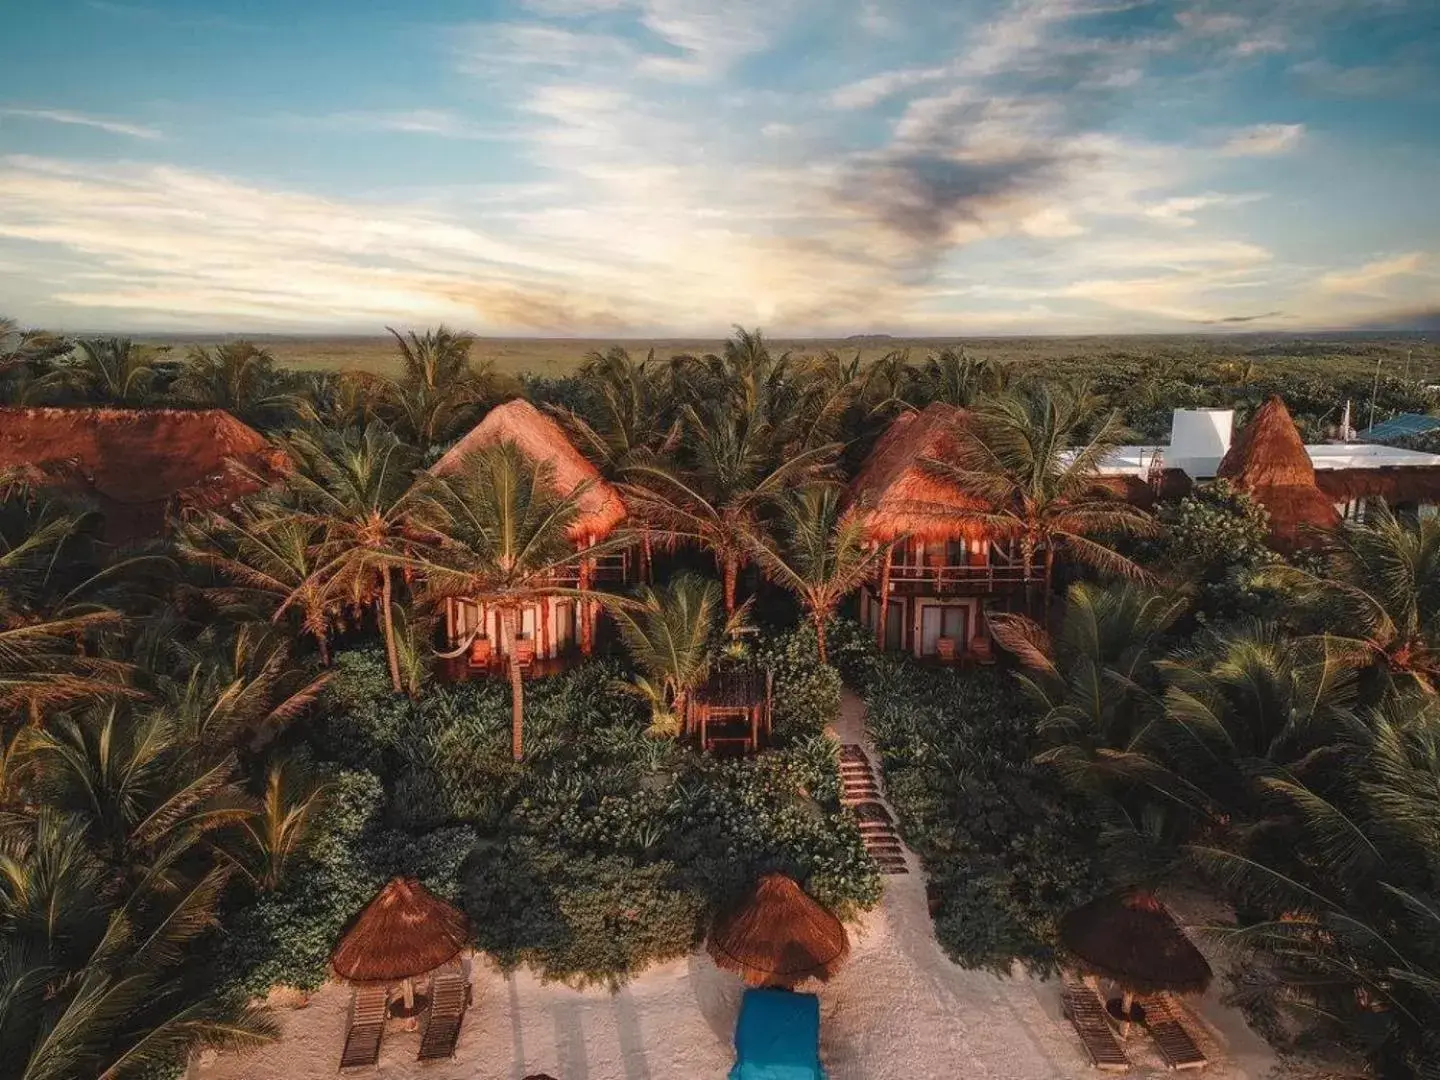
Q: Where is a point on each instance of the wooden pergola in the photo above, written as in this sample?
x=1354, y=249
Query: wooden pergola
x=732, y=710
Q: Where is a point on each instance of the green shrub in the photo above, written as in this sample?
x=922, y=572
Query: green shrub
x=1007, y=851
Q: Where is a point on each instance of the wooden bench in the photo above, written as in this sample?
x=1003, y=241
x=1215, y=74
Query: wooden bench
x=1176, y=1045
x=1086, y=1013
x=366, y=1026
x=449, y=997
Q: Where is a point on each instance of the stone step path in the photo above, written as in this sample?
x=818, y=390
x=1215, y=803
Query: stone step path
x=860, y=790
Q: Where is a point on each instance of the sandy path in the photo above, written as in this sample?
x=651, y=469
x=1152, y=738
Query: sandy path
x=899, y=1009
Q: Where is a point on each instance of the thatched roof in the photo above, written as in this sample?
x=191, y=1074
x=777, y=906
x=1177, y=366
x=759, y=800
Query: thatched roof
x=1394, y=484
x=405, y=931
x=1133, y=940
x=541, y=439
x=779, y=936
x=1270, y=461
x=133, y=462
x=898, y=495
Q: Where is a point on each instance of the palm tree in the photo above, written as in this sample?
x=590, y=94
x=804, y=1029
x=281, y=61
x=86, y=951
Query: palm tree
x=1379, y=585
x=25, y=361
x=439, y=390
x=275, y=833
x=1024, y=455
x=237, y=376
x=823, y=555
x=738, y=472
x=1096, y=686
x=112, y=369
x=98, y=985
x=356, y=487
x=271, y=558
x=670, y=634
x=501, y=538
x=956, y=379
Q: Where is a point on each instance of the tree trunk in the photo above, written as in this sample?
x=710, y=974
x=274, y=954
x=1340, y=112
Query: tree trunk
x=647, y=560
x=1049, y=575
x=1027, y=564
x=732, y=572
x=322, y=642
x=587, y=625
x=819, y=617
x=517, y=685
x=884, y=596
x=387, y=629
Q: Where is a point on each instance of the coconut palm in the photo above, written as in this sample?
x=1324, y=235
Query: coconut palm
x=1345, y=900
x=271, y=559
x=101, y=985
x=956, y=379
x=822, y=555
x=670, y=635
x=274, y=833
x=501, y=539
x=1026, y=457
x=737, y=473
x=1096, y=685
x=355, y=486
x=635, y=417
x=237, y=376
x=1379, y=586
x=112, y=370
x=439, y=391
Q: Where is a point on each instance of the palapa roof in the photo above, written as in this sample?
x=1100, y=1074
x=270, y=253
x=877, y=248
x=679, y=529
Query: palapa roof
x=134, y=461
x=541, y=439
x=1269, y=460
x=405, y=931
x=779, y=936
x=1133, y=940
x=897, y=494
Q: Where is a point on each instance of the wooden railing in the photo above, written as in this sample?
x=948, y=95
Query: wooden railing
x=611, y=567
x=962, y=575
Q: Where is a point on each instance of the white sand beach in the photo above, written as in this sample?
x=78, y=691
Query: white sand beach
x=898, y=1010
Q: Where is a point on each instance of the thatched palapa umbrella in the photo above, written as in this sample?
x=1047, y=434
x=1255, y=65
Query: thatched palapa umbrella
x=1134, y=941
x=779, y=936
x=404, y=932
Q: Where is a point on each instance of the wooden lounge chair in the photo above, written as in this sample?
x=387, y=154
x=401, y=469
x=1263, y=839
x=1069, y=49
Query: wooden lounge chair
x=366, y=1027
x=1175, y=1043
x=524, y=653
x=449, y=995
x=1086, y=1012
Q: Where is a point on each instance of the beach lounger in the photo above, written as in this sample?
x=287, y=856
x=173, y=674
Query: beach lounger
x=1176, y=1044
x=449, y=995
x=1086, y=1013
x=366, y=1027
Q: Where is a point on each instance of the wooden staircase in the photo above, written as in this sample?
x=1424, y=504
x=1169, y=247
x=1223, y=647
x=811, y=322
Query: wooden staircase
x=860, y=790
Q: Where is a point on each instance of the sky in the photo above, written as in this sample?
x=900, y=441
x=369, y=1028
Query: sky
x=674, y=167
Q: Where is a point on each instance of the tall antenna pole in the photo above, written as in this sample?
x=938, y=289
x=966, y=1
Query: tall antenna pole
x=1375, y=389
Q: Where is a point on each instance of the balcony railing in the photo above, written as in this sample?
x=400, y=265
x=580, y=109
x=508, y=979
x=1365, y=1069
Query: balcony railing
x=612, y=567
x=961, y=576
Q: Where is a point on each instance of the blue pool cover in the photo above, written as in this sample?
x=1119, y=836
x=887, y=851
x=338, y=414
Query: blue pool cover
x=777, y=1037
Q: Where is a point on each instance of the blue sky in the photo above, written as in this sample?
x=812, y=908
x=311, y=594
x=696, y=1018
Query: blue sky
x=645, y=167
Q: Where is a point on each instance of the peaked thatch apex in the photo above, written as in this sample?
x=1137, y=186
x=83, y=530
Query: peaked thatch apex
x=542, y=440
x=779, y=936
x=404, y=932
x=1269, y=460
x=897, y=494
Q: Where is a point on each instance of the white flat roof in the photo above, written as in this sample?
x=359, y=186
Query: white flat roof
x=1137, y=460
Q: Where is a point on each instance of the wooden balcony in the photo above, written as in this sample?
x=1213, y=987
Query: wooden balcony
x=944, y=579
x=614, y=567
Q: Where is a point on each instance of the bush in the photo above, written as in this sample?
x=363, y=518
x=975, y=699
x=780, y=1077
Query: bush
x=1006, y=849
x=605, y=850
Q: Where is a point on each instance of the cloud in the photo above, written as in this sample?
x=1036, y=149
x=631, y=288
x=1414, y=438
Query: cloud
x=1264, y=140
x=1367, y=279
x=1235, y=320
x=441, y=123
x=65, y=116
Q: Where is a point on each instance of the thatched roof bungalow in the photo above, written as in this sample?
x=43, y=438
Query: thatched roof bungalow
x=1269, y=460
x=897, y=494
x=779, y=936
x=1134, y=941
x=138, y=463
x=405, y=931
x=542, y=440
